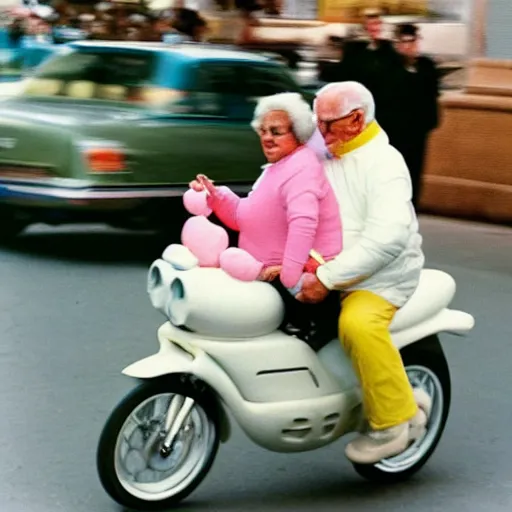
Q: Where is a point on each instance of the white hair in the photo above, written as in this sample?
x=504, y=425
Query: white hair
x=298, y=110
x=350, y=96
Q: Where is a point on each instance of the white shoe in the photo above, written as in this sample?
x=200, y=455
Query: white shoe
x=423, y=400
x=418, y=424
x=373, y=446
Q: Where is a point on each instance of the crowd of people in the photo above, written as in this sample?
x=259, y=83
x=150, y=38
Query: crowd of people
x=115, y=21
x=109, y=21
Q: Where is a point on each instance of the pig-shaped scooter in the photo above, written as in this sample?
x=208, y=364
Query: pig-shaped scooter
x=221, y=350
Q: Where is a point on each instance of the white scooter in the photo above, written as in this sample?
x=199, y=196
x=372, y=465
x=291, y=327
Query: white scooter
x=221, y=351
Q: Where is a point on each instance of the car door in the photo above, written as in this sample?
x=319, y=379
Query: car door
x=217, y=125
x=208, y=131
x=204, y=129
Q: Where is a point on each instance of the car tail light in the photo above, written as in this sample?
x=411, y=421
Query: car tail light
x=104, y=157
x=105, y=160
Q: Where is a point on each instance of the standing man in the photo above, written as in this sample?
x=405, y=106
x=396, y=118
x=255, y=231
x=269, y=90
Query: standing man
x=378, y=270
x=418, y=90
x=373, y=62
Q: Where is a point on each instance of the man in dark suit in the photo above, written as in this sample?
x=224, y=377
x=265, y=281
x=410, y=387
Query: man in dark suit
x=372, y=61
x=417, y=89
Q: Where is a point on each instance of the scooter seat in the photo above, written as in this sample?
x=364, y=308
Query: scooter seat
x=211, y=303
x=435, y=291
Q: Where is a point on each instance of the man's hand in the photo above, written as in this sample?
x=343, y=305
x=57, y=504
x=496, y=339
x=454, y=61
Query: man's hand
x=201, y=183
x=270, y=273
x=313, y=291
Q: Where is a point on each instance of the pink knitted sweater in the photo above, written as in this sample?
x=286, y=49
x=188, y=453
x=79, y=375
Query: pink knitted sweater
x=291, y=210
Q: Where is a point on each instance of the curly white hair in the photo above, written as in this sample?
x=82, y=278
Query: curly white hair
x=298, y=110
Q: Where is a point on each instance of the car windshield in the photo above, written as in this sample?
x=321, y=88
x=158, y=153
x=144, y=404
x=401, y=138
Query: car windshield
x=111, y=76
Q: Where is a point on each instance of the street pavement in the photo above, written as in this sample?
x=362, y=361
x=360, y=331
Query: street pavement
x=74, y=312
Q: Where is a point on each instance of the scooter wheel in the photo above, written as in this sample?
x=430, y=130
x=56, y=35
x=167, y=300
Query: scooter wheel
x=426, y=367
x=132, y=465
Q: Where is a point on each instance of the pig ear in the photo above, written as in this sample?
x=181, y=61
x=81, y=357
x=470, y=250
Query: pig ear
x=196, y=203
x=240, y=264
x=180, y=257
x=205, y=240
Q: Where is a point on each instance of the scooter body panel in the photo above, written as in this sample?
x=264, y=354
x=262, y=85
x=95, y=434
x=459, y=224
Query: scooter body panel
x=287, y=421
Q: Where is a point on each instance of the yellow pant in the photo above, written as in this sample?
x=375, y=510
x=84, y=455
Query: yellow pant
x=364, y=332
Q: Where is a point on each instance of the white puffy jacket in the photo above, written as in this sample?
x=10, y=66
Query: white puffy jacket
x=381, y=244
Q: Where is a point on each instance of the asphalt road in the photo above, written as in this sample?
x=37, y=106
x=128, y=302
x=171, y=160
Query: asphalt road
x=74, y=312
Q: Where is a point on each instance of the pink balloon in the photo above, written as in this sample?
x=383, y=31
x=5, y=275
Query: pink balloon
x=205, y=240
x=195, y=203
x=240, y=264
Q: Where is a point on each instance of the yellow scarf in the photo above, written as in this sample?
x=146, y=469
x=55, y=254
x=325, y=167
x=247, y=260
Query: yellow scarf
x=369, y=133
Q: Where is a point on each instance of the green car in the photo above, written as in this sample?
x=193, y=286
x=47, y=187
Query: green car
x=112, y=132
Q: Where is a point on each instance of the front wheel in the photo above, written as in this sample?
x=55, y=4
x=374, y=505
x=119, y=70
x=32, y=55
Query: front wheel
x=134, y=466
x=426, y=368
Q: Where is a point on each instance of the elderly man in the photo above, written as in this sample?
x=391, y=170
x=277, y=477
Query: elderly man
x=378, y=269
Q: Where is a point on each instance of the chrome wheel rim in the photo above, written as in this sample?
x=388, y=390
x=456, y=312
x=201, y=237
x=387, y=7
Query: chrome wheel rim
x=139, y=466
x=425, y=379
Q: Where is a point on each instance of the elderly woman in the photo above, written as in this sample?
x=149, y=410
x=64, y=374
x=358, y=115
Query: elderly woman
x=291, y=212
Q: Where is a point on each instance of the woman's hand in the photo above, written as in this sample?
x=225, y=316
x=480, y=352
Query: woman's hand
x=313, y=291
x=201, y=183
x=270, y=273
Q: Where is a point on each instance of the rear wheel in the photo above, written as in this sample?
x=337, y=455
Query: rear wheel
x=427, y=369
x=134, y=465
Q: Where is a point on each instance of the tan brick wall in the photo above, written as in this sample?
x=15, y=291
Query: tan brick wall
x=469, y=164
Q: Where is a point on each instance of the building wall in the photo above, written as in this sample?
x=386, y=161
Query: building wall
x=456, y=10
x=499, y=29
